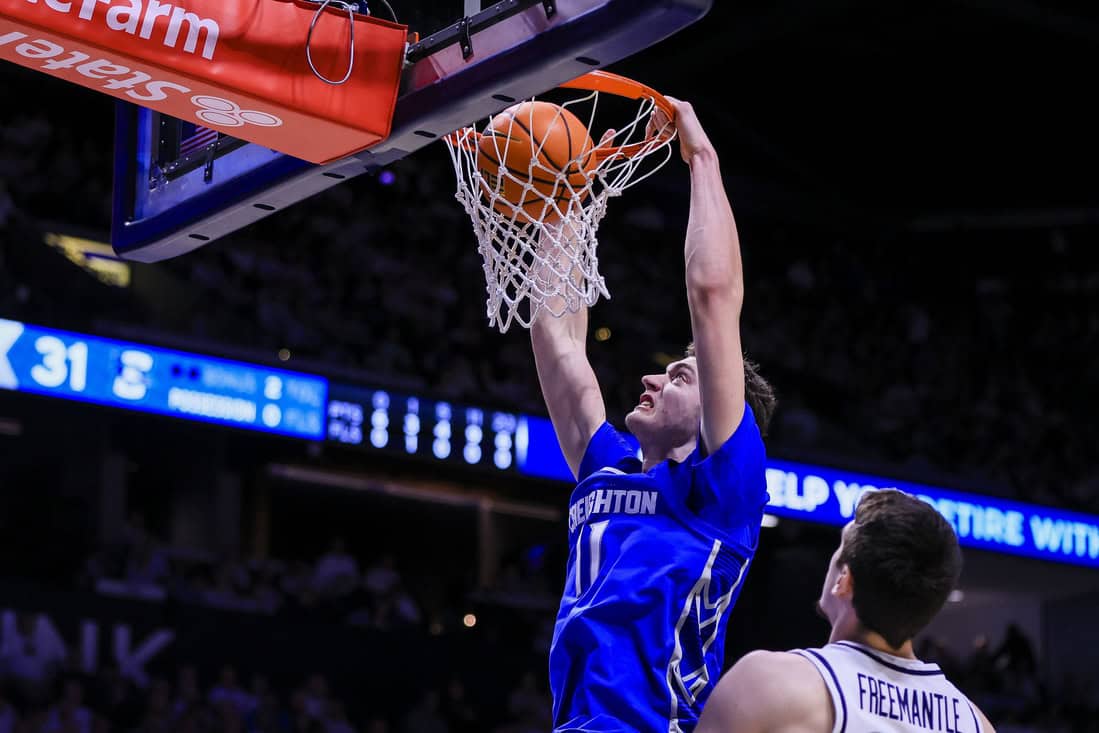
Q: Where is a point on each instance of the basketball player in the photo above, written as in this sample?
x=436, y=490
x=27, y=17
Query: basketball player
x=896, y=564
x=659, y=546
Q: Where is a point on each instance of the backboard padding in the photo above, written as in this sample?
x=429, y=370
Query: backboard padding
x=515, y=55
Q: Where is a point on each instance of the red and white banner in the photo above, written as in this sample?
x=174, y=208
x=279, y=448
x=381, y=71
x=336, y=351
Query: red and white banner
x=238, y=66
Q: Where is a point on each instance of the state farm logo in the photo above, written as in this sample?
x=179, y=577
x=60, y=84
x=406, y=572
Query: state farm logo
x=142, y=20
x=225, y=113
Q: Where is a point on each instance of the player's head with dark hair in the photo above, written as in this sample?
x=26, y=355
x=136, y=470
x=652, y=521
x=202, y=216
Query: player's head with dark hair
x=669, y=413
x=896, y=564
x=757, y=391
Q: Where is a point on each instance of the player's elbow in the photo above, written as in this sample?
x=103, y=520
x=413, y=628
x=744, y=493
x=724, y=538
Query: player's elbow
x=715, y=292
x=712, y=280
x=557, y=338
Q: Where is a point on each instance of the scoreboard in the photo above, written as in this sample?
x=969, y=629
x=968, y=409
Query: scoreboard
x=412, y=425
x=164, y=381
x=144, y=378
x=240, y=395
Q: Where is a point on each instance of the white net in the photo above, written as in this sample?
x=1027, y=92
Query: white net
x=536, y=228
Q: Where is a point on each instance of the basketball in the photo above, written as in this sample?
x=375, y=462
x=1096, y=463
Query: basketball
x=532, y=156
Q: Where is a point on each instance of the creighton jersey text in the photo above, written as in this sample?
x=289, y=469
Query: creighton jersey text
x=876, y=692
x=656, y=561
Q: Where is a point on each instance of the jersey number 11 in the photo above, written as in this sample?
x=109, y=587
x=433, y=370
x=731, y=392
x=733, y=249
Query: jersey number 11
x=595, y=547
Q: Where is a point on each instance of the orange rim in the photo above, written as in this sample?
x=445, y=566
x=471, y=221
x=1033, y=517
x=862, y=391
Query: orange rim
x=604, y=81
x=599, y=81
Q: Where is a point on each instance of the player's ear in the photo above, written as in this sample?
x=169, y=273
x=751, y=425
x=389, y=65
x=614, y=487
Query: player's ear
x=844, y=587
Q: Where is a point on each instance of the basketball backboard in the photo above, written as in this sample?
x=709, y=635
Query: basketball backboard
x=178, y=185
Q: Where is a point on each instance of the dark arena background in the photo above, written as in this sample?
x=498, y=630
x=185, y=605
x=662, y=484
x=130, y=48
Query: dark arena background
x=916, y=191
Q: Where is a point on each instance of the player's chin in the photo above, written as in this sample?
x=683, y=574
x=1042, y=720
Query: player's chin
x=638, y=415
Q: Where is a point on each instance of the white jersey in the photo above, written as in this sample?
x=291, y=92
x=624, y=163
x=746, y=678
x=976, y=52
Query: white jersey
x=874, y=692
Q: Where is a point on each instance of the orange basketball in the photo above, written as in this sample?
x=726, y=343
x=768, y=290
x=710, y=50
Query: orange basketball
x=534, y=143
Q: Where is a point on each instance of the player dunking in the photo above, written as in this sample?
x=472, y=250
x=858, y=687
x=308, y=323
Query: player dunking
x=896, y=563
x=659, y=548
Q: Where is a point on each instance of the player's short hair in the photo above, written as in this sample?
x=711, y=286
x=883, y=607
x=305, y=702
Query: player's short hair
x=757, y=391
x=905, y=560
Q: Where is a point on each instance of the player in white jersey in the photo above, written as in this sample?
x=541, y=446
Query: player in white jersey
x=896, y=564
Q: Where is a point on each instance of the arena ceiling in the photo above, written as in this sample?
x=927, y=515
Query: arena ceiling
x=942, y=112
x=933, y=114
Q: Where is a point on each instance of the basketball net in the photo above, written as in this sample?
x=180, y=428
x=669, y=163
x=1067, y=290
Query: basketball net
x=546, y=261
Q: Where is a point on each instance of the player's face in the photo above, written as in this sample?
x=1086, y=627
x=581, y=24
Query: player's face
x=829, y=605
x=670, y=407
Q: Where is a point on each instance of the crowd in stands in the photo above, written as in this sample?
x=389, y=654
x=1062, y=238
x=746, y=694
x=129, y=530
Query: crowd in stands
x=954, y=354
x=334, y=587
x=46, y=686
x=185, y=700
x=45, y=689
x=960, y=357
x=1003, y=677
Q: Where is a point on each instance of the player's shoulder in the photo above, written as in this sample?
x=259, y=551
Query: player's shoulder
x=789, y=666
x=745, y=441
x=609, y=453
x=766, y=690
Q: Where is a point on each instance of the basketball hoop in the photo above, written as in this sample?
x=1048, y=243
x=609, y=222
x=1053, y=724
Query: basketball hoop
x=540, y=251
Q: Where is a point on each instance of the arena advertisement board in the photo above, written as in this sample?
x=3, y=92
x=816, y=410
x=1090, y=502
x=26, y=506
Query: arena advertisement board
x=372, y=419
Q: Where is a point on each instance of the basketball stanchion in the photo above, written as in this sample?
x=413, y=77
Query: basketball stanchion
x=536, y=187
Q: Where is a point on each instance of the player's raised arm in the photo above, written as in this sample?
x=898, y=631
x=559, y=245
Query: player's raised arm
x=715, y=284
x=569, y=386
x=768, y=692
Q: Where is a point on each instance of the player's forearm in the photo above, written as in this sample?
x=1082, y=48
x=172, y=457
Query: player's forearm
x=712, y=250
x=561, y=356
x=569, y=330
x=569, y=387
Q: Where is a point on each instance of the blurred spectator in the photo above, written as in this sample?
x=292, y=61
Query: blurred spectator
x=119, y=701
x=145, y=560
x=396, y=609
x=69, y=714
x=297, y=580
x=159, y=716
x=188, y=694
x=980, y=672
x=335, y=719
x=382, y=576
x=316, y=696
x=9, y=717
x=228, y=693
x=301, y=719
x=337, y=571
x=267, y=717
x=1015, y=669
x=32, y=656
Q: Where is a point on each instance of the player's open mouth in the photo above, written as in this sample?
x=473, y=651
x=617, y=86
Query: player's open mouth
x=645, y=403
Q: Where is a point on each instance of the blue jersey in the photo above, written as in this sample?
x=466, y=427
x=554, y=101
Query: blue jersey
x=656, y=561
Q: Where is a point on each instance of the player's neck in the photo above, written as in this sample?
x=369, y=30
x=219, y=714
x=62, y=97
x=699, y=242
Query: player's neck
x=659, y=454
x=859, y=634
